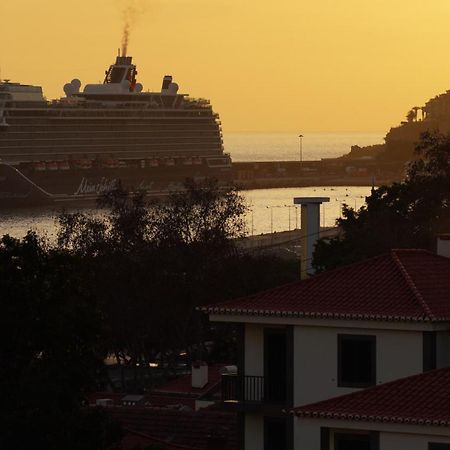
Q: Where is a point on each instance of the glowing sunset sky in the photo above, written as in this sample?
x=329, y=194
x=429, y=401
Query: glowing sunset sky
x=286, y=65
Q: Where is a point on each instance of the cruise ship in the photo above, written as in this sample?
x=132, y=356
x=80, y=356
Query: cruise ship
x=77, y=147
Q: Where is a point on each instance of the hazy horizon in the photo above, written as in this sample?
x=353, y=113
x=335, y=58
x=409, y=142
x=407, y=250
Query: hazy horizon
x=265, y=66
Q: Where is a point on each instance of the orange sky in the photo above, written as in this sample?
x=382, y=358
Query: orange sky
x=286, y=65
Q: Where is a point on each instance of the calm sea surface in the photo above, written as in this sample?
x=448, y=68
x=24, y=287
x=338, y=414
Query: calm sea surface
x=270, y=209
x=286, y=147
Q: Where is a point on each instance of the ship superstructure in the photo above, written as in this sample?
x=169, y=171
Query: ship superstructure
x=85, y=142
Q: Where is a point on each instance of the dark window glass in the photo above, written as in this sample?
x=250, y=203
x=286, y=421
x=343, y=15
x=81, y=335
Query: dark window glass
x=275, y=434
x=429, y=350
x=356, y=361
x=275, y=365
x=432, y=446
x=352, y=442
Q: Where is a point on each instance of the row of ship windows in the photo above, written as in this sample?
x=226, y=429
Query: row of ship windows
x=96, y=128
x=22, y=136
x=111, y=113
x=38, y=143
x=180, y=121
x=107, y=147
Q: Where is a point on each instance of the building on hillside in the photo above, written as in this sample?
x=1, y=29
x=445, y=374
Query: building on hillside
x=206, y=429
x=178, y=415
x=355, y=327
x=410, y=413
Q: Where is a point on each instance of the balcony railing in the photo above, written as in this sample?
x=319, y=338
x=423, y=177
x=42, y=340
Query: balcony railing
x=251, y=389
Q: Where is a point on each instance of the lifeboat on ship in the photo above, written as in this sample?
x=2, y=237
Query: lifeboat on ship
x=110, y=164
x=197, y=161
x=63, y=165
x=153, y=162
x=52, y=165
x=187, y=161
x=83, y=164
x=39, y=166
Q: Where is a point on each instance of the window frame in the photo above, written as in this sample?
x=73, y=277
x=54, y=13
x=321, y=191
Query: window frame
x=372, y=339
x=438, y=446
x=373, y=437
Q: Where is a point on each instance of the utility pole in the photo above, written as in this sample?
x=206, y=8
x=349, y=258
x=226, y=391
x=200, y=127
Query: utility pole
x=301, y=147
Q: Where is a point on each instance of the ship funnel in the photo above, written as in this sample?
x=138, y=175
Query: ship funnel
x=124, y=60
x=166, y=82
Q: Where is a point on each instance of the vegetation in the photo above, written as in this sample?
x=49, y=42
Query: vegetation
x=125, y=283
x=50, y=352
x=408, y=214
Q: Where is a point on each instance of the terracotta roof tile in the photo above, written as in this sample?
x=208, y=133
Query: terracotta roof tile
x=183, y=384
x=400, y=285
x=422, y=399
x=189, y=429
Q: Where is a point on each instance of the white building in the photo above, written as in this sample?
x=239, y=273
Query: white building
x=410, y=413
x=339, y=332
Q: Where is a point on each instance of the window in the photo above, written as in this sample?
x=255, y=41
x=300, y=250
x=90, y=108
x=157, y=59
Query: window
x=429, y=350
x=356, y=360
x=275, y=433
x=352, y=442
x=432, y=446
x=346, y=440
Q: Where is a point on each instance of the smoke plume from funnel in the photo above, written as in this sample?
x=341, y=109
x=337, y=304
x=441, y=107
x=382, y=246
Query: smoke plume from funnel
x=131, y=11
x=128, y=18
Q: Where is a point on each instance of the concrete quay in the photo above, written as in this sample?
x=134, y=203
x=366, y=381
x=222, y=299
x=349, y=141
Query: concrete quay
x=332, y=172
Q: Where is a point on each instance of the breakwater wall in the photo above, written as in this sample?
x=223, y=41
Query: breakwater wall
x=288, y=239
x=332, y=172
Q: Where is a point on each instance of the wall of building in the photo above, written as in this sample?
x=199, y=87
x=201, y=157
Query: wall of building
x=392, y=436
x=396, y=441
x=254, y=432
x=254, y=349
x=306, y=435
x=316, y=363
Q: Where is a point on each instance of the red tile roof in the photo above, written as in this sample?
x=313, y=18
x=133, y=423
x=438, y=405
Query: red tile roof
x=422, y=399
x=155, y=399
x=133, y=440
x=402, y=285
x=183, y=384
x=178, y=429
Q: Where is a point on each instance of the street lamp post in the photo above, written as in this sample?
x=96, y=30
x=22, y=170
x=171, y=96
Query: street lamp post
x=301, y=147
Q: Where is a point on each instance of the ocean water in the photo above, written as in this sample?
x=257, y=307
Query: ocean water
x=269, y=209
x=286, y=146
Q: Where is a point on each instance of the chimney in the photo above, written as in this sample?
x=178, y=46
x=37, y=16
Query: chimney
x=443, y=245
x=199, y=374
x=310, y=230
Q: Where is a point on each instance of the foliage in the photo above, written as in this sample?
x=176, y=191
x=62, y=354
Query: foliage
x=150, y=265
x=408, y=214
x=49, y=350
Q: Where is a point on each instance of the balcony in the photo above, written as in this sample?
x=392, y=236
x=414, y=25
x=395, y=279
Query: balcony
x=252, y=392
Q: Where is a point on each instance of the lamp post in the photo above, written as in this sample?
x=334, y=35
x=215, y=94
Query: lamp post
x=289, y=209
x=301, y=147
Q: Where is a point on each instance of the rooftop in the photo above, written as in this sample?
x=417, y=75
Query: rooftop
x=177, y=429
x=422, y=399
x=402, y=285
x=183, y=385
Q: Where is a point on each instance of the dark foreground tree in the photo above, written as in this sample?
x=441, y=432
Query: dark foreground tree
x=408, y=214
x=50, y=352
x=151, y=265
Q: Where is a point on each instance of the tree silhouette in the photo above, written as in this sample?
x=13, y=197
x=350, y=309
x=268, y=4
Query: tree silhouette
x=408, y=214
